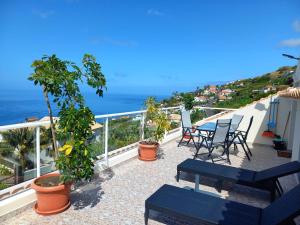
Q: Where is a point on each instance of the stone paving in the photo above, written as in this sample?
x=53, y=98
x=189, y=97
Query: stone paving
x=117, y=195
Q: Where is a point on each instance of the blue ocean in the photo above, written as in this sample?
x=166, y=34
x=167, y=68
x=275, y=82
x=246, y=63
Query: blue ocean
x=17, y=105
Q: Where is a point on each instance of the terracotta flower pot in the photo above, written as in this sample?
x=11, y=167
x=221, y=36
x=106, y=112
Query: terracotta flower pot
x=51, y=200
x=148, y=152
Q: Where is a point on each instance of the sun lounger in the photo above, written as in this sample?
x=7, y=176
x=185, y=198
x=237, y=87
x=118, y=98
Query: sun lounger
x=265, y=179
x=198, y=208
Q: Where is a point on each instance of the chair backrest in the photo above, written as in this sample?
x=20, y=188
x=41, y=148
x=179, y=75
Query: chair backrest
x=283, y=209
x=235, y=121
x=248, y=129
x=186, y=119
x=221, y=130
x=277, y=171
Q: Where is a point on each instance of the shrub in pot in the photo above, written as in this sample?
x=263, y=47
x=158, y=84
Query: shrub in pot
x=60, y=79
x=188, y=101
x=159, y=123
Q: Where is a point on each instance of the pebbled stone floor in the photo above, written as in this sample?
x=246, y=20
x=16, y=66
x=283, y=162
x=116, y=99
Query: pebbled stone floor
x=117, y=195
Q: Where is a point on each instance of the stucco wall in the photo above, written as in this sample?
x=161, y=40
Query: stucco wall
x=260, y=111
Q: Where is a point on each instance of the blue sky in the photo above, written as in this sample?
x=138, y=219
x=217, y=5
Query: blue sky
x=150, y=47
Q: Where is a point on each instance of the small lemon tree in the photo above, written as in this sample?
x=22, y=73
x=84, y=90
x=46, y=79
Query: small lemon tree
x=60, y=79
x=158, y=118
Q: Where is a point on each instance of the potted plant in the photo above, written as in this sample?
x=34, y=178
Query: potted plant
x=159, y=122
x=60, y=79
x=188, y=102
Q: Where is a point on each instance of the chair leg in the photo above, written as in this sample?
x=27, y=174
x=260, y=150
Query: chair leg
x=290, y=222
x=273, y=194
x=279, y=187
x=278, y=190
x=183, y=134
x=180, y=141
x=212, y=158
x=242, y=144
x=227, y=153
x=209, y=154
x=210, y=151
x=235, y=147
x=146, y=215
x=177, y=176
x=198, y=148
x=187, y=143
x=192, y=138
x=196, y=154
x=245, y=151
x=248, y=148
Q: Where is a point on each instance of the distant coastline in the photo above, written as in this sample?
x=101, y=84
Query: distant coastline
x=16, y=106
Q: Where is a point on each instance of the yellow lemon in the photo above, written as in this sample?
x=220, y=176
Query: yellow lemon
x=68, y=150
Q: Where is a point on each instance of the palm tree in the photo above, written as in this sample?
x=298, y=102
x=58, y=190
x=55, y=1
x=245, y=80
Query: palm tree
x=22, y=140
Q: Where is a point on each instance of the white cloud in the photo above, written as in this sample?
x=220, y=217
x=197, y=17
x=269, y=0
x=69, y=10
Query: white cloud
x=43, y=14
x=294, y=42
x=155, y=12
x=296, y=25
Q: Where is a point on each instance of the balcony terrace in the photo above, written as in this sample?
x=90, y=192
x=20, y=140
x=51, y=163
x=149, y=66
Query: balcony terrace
x=117, y=195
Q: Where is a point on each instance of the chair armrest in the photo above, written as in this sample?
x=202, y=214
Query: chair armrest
x=241, y=131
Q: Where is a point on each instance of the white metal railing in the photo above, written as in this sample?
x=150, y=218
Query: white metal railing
x=38, y=124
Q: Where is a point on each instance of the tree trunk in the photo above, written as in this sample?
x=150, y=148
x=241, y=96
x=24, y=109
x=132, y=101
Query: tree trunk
x=52, y=126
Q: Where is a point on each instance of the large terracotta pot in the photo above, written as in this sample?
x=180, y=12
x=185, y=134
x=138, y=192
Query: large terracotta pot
x=148, y=152
x=51, y=200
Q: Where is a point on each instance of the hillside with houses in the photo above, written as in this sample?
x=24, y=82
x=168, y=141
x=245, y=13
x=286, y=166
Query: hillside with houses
x=237, y=93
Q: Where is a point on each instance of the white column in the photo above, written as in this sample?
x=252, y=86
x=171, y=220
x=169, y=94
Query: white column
x=38, y=152
x=166, y=133
x=106, y=141
x=292, y=124
x=143, y=126
x=296, y=141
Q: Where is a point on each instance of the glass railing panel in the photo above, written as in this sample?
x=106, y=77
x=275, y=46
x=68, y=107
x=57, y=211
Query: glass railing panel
x=149, y=128
x=47, y=153
x=174, y=116
x=123, y=131
x=17, y=156
x=97, y=141
x=198, y=114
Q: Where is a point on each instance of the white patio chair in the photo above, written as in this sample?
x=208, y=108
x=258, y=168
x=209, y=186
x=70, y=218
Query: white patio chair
x=219, y=138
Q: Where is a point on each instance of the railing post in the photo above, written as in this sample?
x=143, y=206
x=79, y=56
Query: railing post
x=15, y=174
x=180, y=111
x=143, y=126
x=106, y=141
x=166, y=112
x=38, y=151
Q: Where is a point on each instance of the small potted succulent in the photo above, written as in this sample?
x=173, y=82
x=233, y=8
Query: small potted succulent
x=159, y=123
x=60, y=79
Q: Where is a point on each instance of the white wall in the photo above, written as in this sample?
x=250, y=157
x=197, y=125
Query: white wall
x=297, y=76
x=260, y=111
x=296, y=141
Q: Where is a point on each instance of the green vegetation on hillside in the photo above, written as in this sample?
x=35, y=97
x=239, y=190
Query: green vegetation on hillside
x=244, y=91
x=256, y=88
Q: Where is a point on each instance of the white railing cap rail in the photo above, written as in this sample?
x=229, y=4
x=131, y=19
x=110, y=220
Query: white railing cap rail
x=119, y=114
x=130, y=113
x=24, y=125
x=216, y=108
x=45, y=123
